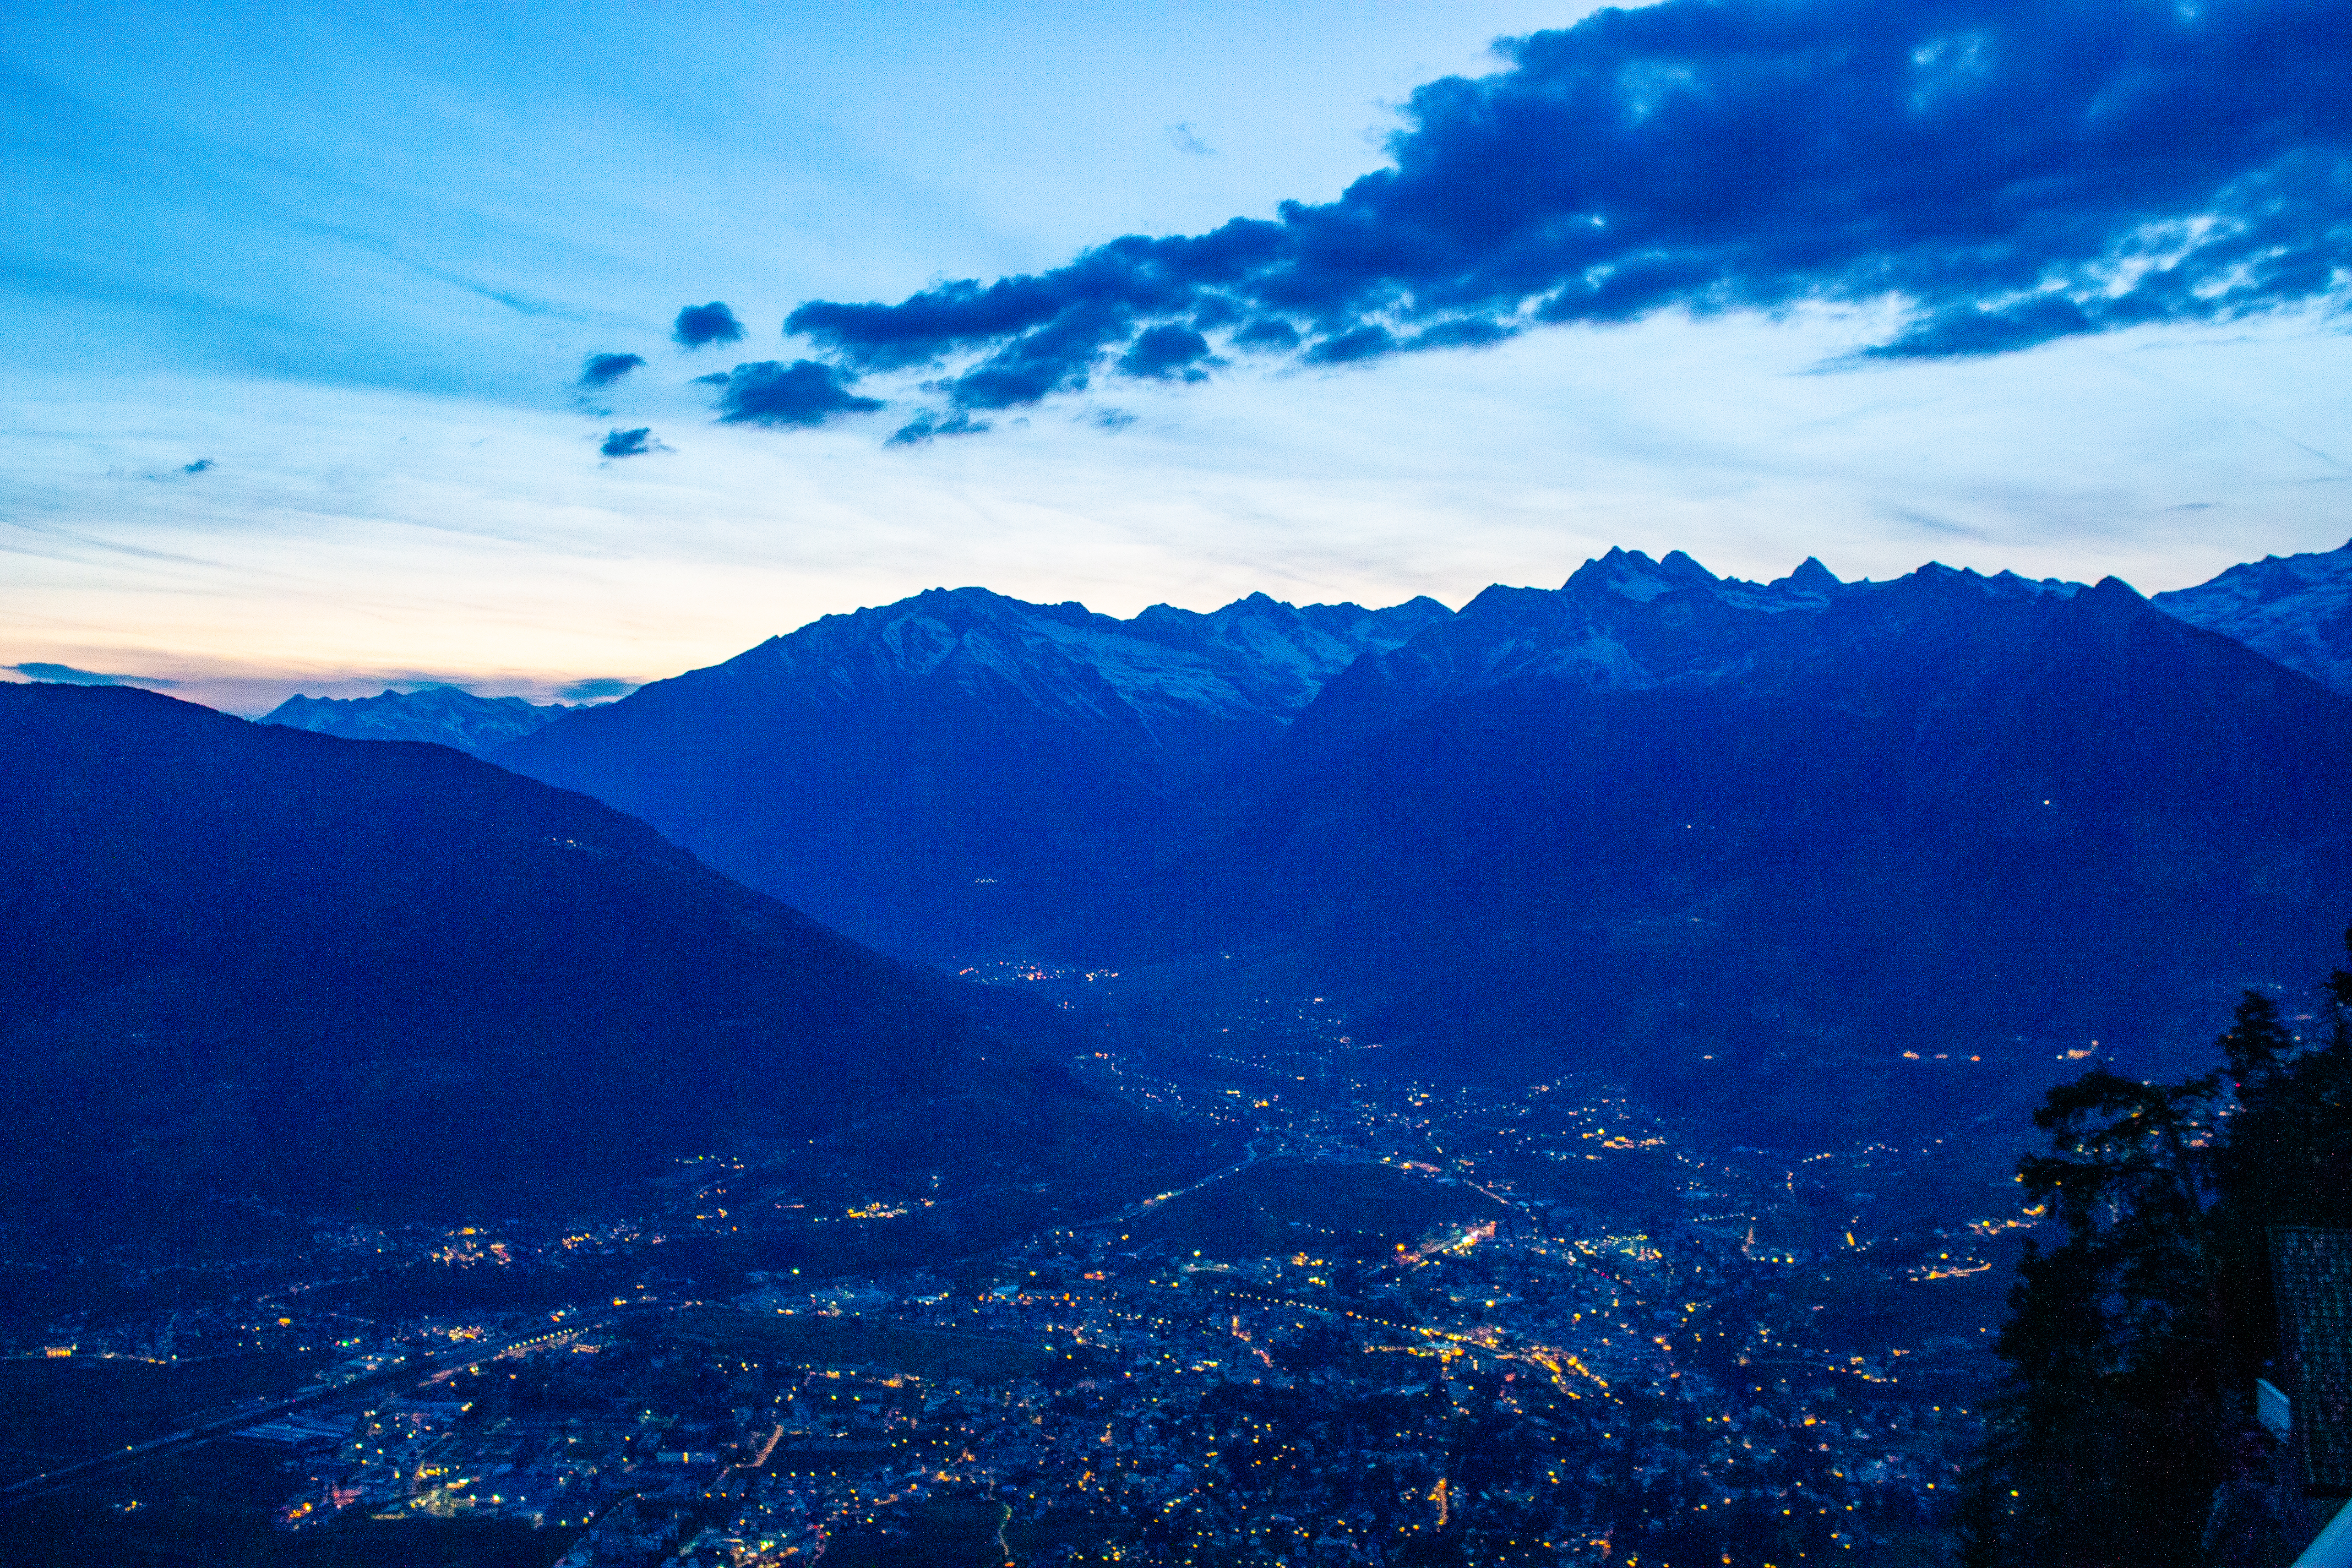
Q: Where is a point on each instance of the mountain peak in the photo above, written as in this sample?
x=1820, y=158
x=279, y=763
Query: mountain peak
x=2116, y=589
x=1630, y=574
x=1681, y=568
x=1810, y=577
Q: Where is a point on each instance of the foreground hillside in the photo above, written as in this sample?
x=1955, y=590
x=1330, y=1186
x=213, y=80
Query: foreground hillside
x=250, y=960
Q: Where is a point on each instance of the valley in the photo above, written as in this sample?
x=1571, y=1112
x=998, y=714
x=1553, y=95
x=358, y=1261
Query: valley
x=1406, y=1322
x=1538, y=1084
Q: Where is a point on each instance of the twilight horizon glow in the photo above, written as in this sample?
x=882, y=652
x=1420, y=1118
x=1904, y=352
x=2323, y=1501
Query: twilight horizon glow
x=381, y=348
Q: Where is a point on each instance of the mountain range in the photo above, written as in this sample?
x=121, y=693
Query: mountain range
x=2297, y=609
x=1792, y=851
x=1651, y=818
x=446, y=715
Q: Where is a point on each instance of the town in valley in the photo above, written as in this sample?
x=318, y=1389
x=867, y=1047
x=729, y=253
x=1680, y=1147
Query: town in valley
x=1377, y=1321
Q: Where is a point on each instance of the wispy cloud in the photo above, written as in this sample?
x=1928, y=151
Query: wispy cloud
x=929, y=423
x=603, y=370
x=1181, y=137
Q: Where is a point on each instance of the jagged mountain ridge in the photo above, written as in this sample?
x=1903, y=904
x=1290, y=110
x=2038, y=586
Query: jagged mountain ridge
x=1646, y=819
x=1648, y=811
x=947, y=770
x=444, y=715
x=1622, y=623
x=1798, y=839
x=2296, y=609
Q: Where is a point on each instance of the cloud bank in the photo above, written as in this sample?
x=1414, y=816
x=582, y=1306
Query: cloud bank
x=595, y=689
x=2008, y=172
x=67, y=675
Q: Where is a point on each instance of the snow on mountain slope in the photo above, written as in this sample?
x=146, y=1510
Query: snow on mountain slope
x=1284, y=655
x=447, y=715
x=1752, y=851
x=954, y=768
x=1254, y=660
x=1622, y=623
x=2296, y=609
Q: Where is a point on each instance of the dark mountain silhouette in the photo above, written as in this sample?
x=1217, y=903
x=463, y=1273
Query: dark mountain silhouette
x=948, y=771
x=1648, y=818
x=2296, y=609
x=444, y=715
x=350, y=974
x=1654, y=817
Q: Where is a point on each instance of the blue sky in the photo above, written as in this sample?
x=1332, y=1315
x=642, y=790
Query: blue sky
x=301, y=305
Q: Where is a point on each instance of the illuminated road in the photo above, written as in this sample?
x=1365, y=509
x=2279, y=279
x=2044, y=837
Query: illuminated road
x=1143, y=1207
x=426, y=1370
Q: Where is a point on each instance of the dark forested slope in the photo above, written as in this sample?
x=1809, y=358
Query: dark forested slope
x=248, y=959
x=1791, y=828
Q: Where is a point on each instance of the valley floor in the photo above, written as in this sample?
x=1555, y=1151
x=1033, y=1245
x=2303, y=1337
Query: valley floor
x=1388, y=1321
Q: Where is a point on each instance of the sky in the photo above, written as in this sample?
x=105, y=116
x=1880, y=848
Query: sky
x=360, y=346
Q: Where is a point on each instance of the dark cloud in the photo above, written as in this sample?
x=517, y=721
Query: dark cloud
x=630, y=443
x=1181, y=137
x=1368, y=341
x=1165, y=351
x=201, y=465
x=595, y=689
x=67, y=675
x=603, y=370
x=1112, y=419
x=927, y=425
x=800, y=393
x=2007, y=170
x=712, y=323
x=1266, y=333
